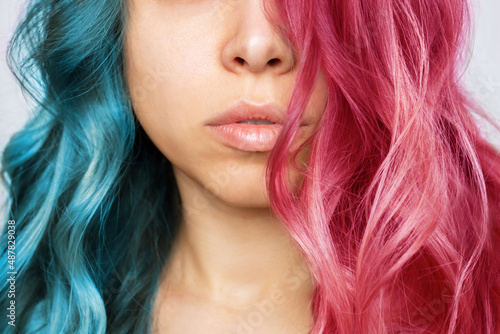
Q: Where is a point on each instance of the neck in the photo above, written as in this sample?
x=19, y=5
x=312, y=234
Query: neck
x=234, y=255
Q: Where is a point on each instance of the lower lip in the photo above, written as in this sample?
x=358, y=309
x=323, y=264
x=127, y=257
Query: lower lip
x=248, y=137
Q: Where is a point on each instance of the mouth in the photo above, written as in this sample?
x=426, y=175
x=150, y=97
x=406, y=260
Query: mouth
x=249, y=127
x=256, y=122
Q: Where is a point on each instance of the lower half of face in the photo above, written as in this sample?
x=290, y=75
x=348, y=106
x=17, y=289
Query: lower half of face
x=182, y=74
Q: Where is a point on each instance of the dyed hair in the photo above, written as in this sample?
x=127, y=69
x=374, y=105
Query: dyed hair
x=397, y=212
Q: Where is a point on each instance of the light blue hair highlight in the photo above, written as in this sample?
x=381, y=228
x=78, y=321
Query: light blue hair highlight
x=93, y=228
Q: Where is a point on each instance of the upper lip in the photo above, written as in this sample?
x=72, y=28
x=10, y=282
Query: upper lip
x=243, y=111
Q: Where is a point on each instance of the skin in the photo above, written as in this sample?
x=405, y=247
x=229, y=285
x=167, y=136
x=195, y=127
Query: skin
x=234, y=267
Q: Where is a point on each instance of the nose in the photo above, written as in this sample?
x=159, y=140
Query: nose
x=253, y=45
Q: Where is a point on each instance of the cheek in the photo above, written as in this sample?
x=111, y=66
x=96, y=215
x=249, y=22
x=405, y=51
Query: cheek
x=167, y=83
x=166, y=52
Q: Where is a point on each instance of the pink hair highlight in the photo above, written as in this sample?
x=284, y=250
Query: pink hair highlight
x=398, y=210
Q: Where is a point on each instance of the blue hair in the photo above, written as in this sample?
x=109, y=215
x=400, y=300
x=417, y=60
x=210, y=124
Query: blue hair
x=93, y=228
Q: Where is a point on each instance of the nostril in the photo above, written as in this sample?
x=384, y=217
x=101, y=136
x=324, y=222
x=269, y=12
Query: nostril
x=274, y=61
x=271, y=62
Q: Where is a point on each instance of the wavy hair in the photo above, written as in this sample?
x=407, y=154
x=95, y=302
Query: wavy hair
x=397, y=212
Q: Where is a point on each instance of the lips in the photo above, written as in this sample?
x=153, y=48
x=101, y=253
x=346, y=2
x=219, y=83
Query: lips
x=248, y=127
x=245, y=111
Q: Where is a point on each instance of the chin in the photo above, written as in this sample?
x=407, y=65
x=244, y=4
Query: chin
x=240, y=190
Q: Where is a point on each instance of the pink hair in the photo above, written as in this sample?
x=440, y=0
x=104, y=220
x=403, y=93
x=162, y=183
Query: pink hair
x=398, y=209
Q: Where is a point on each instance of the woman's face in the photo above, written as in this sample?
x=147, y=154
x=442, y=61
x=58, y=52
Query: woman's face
x=187, y=62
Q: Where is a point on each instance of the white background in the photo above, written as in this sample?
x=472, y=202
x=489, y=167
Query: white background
x=482, y=76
